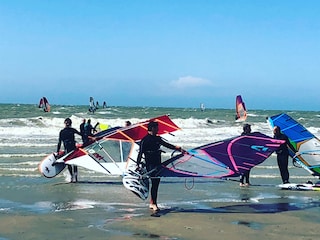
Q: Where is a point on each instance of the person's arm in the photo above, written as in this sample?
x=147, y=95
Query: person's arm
x=140, y=153
x=75, y=131
x=171, y=146
x=95, y=126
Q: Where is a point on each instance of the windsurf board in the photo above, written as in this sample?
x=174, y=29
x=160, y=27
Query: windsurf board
x=300, y=186
x=136, y=182
x=47, y=169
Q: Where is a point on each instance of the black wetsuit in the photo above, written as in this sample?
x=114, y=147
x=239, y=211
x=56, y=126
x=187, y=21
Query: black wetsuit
x=150, y=147
x=88, y=131
x=244, y=177
x=82, y=131
x=283, y=157
x=67, y=137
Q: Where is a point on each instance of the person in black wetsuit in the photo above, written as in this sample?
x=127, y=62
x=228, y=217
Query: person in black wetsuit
x=66, y=136
x=82, y=130
x=150, y=148
x=244, y=178
x=89, y=131
x=283, y=153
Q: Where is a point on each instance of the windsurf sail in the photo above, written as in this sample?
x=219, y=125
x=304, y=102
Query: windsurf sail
x=241, y=111
x=115, y=149
x=303, y=141
x=136, y=132
x=202, y=107
x=44, y=104
x=227, y=158
x=222, y=159
x=92, y=106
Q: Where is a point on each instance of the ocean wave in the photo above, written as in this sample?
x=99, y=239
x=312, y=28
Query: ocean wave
x=21, y=155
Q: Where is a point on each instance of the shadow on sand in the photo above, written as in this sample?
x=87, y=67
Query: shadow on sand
x=244, y=208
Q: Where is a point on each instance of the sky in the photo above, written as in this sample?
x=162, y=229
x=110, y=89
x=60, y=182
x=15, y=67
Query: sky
x=162, y=53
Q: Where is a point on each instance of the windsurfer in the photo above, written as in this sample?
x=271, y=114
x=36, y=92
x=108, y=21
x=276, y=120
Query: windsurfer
x=244, y=177
x=150, y=148
x=89, y=130
x=82, y=130
x=66, y=136
x=283, y=154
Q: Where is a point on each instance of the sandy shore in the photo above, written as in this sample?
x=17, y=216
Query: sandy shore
x=284, y=226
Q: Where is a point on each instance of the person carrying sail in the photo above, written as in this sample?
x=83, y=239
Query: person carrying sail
x=150, y=148
x=283, y=154
x=244, y=177
x=66, y=136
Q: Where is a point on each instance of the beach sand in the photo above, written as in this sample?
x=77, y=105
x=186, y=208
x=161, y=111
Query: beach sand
x=174, y=225
x=277, y=226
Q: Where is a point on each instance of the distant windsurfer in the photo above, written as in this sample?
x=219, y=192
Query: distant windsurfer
x=283, y=154
x=92, y=107
x=150, y=148
x=44, y=104
x=244, y=177
x=66, y=136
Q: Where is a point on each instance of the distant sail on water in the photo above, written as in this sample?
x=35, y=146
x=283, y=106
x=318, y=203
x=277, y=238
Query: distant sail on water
x=307, y=144
x=241, y=110
x=44, y=104
x=202, y=107
x=92, y=106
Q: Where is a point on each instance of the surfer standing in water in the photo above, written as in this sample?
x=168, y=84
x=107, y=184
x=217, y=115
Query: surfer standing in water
x=244, y=177
x=66, y=136
x=150, y=148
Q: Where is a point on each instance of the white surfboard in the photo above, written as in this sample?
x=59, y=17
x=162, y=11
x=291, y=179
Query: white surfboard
x=300, y=186
x=46, y=168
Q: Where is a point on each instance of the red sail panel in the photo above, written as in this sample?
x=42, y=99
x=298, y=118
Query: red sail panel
x=137, y=131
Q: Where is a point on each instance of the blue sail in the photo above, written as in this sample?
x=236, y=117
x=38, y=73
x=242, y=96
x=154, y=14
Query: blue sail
x=307, y=144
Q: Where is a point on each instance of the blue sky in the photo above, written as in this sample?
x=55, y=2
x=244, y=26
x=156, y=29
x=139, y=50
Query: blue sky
x=162, y=53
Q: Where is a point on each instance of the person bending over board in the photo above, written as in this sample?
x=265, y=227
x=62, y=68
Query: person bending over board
x=66, y=136
x=150, y=148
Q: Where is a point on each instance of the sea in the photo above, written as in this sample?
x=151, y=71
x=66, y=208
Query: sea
x=43, y=208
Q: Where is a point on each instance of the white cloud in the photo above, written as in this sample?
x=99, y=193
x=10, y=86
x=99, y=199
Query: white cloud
x=189, y=81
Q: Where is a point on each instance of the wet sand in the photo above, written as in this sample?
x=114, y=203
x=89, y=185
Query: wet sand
x=284, y=226
x=287, y=225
